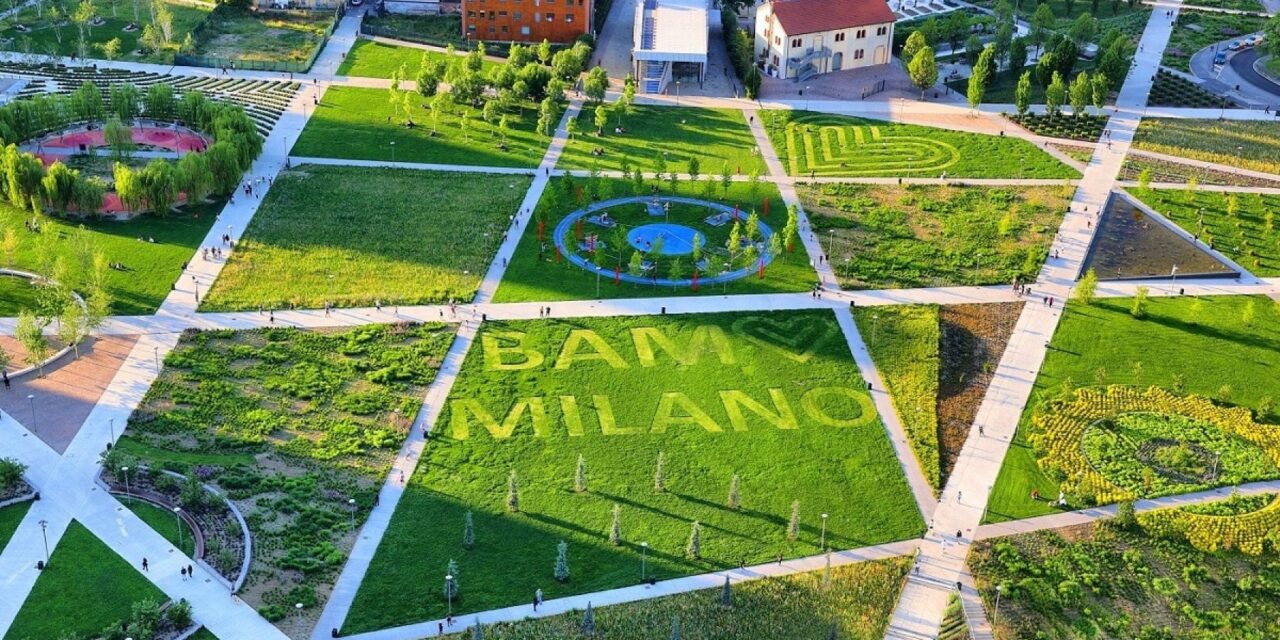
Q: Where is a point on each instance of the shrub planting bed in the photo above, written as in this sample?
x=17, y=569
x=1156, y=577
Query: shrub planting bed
x=1175, y=91
x=1166, y=171
x=1245, y=144
x=715, y=397
x=1242, y=226
x=1084, y=127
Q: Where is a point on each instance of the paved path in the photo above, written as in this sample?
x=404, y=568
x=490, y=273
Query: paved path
x=943, y=551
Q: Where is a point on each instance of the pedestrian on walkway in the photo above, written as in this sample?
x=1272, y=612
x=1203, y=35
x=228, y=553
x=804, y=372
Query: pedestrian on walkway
x=191, y=571
x=145, y=566
x=183, y=571
x=5, y=374
x=440, y=629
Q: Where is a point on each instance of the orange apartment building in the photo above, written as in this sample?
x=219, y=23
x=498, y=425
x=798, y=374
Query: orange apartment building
x=526, y=20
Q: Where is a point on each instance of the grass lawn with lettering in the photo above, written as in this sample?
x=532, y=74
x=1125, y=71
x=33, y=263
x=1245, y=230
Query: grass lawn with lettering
x=773, y=398
x=1226, y=348
x=662, y=139
x=535, y=273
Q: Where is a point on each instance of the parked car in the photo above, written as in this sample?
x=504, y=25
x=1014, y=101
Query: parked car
x=1220, y=58
x=1252, y=41
x=1235, y=45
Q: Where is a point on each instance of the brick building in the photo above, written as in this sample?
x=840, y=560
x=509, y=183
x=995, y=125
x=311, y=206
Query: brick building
x=526, y=20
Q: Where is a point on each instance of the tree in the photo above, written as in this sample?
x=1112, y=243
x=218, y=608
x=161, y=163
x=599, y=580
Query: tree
x=915, y=42
x=1042, y=23
x=468, y=531
x=562, y=562
x=751, y=84
x=1087, y=289
x=547, y=116
x=1271, y=35
x=1017, y=55
x=595, y=84
x=9, y=246
x=1054, y=94
x=602, y=118
x=1003, y=12
x=981, y=76
x=1081, y=91
x=1100, y=90
x=1144, y=180
x=589, y=621
x=1064, y=57
x=513, y=493
x=615, y=528
x=972, y=49
x=1045, y=69
x=59, y=185
x=734, y=498
x=693, y=550
x=1083, y=29
x=1022, y=94
x=544, y=51
x=923, y=69
x=726, y=594
x=477, y=631
x=580, y=476
x=119, y=137
x=1003, y=43
x=83, y=17
x=793, y=526
x=30, y=334
x=659, y=476
x=1070, y=6
x=194, y=178
x=71, y=326
x=1139, y=307
x=451, y=580
x=430, y=73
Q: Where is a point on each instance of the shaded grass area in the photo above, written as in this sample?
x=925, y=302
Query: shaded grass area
x=441, y=30
x=43, y=37
x=903, y=341
x=534, y=274
x=631, y=399
x=1203, y=342
x=821, y=144
x=72, y=595
x=151, y=268
x=16, y=294
x=361, y=124
x=369, y=59
x=351, y=236
x=245, y=35
x=10, y=517
x=665, y=139
x=889, y=236
x=1244, y=144
x=164, y=522
x=1242, y=226
x=855, y=602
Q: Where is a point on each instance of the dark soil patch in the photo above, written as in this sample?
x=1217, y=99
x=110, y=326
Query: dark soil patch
x=972, y=340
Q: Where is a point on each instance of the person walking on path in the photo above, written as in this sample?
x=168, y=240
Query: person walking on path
x=5, y=373
x=145, y=567
x=537, y=595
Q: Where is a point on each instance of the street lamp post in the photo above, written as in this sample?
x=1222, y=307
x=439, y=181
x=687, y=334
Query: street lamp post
x=806, y=97
x=824, y=532
x=31, y=400
x=996, y=617
x=112, y=427
x=875, y=324
x=177, y=519
x=448, y=592
x=1173, y=273
x=393, y=150
x=644, y=554
x=44, y=526
x=298, y=608
x=351, y=502
x=677, y=93
x=125, y=470
x=156, y=351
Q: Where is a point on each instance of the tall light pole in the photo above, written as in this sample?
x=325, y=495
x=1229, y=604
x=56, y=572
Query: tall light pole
x=112, y=427
x=1173, y=283
x=875, y=324
x=806, y=97
x=298, y=608
x=177, y=519
x=995, y=618
x=644, y=554
x=31, y=400
x=351, y=502
x=677, y=93
x=824, y=532
x=448, y=591
x=44, y=526
x=156, y=351
x=393, y=150
x=125, y=470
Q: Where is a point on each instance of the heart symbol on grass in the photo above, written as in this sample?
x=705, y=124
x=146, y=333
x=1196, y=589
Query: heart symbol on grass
x=797, y=338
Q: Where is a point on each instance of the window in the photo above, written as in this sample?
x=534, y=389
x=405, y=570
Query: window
x=505, y=29
x=862, y=33
x=517, y=16
x=882, y=30
x=471, y=14
x=568, y=17
x=493, y=15
x=857, y=55
x=777, y=40
x=524, y=31
x=840, y=37
x=795, y=43
x=471, y=28
x=775, y=61
x=551, y=17
x=537, y=17
x=502, y=14
x=492, y=30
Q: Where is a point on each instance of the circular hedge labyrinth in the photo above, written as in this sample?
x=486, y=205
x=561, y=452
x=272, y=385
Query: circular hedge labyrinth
x=641, y=239
x=828, y=146
x=1121, y=443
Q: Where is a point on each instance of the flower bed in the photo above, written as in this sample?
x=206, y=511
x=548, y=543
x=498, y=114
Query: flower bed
x=1060, y=430
x=1250, y=533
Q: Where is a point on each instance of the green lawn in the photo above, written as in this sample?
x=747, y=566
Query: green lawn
x=811, y=143
x=441, y=30
x=86, y=588
x=664, y=139
x=796, y=424
x=856, y=600
x=1246, y=237
x=265, y=37
x=355, y=235
x=1205, y=341
x=903, y=341
x=163, y=522
x=151, y=268
x=1244, y=144
x=535, y=275
x=1213, y=27
x=890, y=236
x=44, y=38
x=369, y=59
x=16, y=294
x=361, y=124
x=10, y=517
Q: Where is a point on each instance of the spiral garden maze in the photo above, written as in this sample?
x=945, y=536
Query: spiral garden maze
x=830, y=146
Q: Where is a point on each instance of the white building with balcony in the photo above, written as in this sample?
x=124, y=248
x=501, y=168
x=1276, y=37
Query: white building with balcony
x=800, y=39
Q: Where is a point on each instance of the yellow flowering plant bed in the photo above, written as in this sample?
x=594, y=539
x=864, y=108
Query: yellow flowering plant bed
x=1250, y=533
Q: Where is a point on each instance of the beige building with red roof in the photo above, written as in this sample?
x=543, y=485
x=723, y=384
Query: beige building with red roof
x=800, y=39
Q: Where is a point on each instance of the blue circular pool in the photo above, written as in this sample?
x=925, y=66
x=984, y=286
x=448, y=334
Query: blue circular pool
x=677, y=239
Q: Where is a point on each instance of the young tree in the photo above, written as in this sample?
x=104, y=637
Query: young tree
x=955, y=28
x=1144, y=180
x=601, y=118
x=972, y=49
x=596, y=84
x=1017, y=56
x=1083, y=29
x=1003, y=43
x=468, y=531
x=793, y=526
x=751, y=84
x=119, y=137
x=9, y=246
x=71, y=327
x=1054, y=94
x=1087, y=289
x=981, y=76
x=1042, y=23
x=580, y=476
x=544, y=51
x=693, y=550
x=1139, y=307
x=30, y=334
x=915, y=42
x=562, y=562
x=923, y=69
x=1101, y=88
x=513, y=493
x=734, y=498
x=615, y=528
x=451, y=587
x=1081, y=91
x=59, y=185
x=589, y=621
x=1022, y=94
